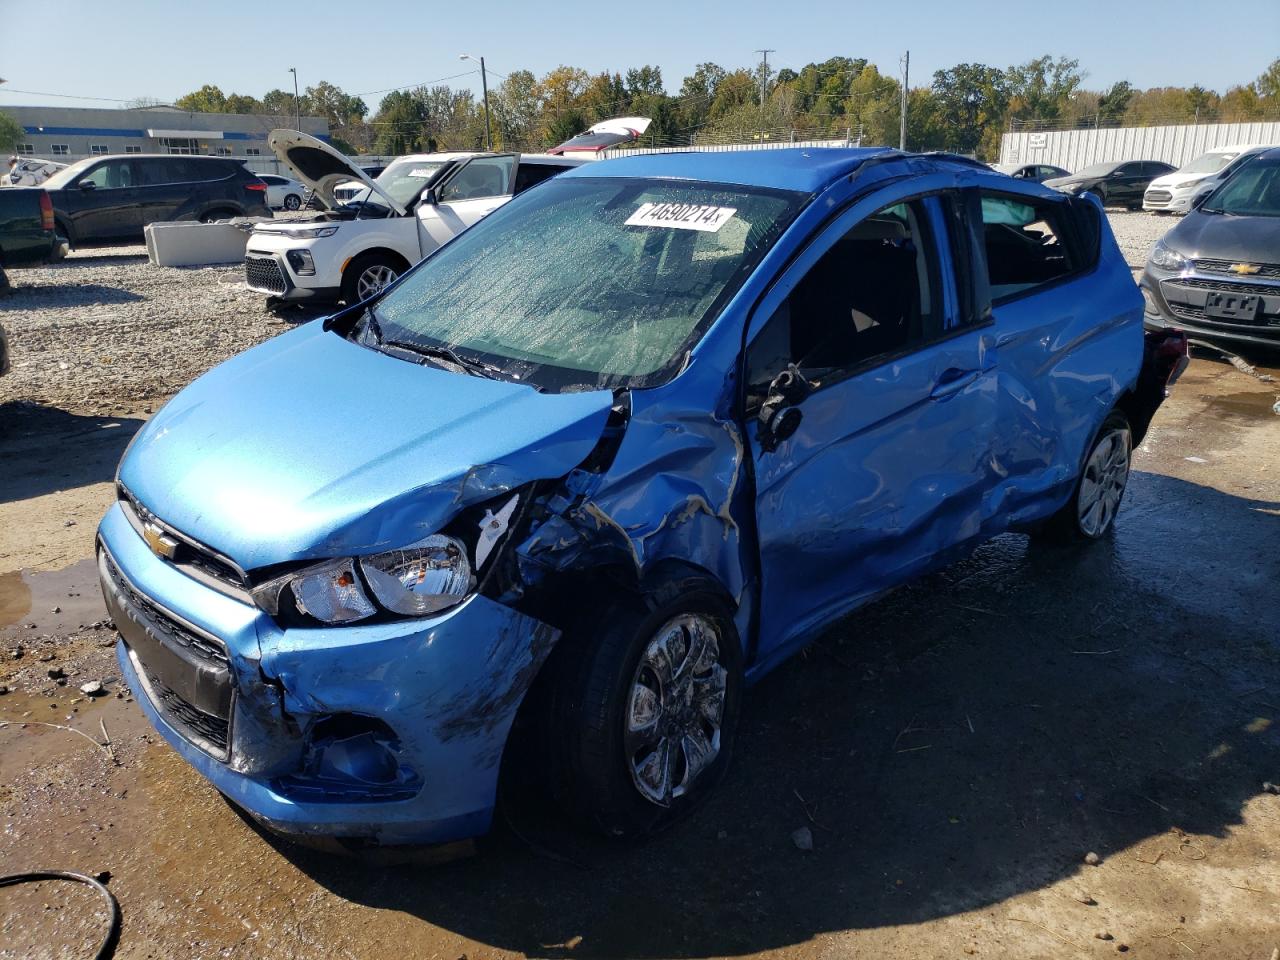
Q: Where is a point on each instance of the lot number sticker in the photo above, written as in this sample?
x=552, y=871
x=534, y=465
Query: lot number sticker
x=681, y=216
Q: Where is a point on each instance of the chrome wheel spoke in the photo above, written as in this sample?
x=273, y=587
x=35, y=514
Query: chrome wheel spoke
x=671, y=731
x=1102, y=485
x=698, y=754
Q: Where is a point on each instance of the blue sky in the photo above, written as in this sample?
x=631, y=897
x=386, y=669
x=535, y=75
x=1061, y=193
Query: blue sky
x=125, y=49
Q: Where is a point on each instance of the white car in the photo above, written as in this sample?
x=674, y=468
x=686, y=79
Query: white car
x=354, y=249
x=1175, y=192
x=31, y=171
x=282, y=192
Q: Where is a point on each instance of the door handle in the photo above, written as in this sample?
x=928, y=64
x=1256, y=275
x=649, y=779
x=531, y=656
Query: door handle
x=952, y=382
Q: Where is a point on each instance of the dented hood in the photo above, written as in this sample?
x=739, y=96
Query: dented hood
x=310, y=446
x=321, y=167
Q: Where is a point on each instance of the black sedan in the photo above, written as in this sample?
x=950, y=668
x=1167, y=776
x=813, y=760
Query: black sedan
x=1038, y=172
x=1120, y=183
x=1217, y=273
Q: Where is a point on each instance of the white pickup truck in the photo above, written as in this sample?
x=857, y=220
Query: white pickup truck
x=353, y=249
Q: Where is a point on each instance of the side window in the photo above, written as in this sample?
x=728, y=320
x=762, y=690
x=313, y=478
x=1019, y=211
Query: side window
x=1025, y=243
x=112, y=175
x=874, y=294
x=157, y=171
x=1129, y=170
x=482, y=177
x=531, y=174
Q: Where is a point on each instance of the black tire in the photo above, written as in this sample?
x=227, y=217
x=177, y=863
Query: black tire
x=215, y=215
x=292, y=201
x=1069, y=524
x=1098, y=193
x=598, y=665
x=359, y=268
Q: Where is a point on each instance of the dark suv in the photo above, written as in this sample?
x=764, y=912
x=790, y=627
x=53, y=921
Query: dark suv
x=110, y=199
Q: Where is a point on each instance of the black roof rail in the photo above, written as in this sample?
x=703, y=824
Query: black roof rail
x=953, y=158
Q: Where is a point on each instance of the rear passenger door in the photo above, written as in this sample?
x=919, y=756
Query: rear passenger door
x=1054, y=338
x=883, y=470
x=164, y=187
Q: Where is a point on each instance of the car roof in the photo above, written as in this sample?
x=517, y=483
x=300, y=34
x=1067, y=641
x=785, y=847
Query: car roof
x=793, y=168
x=550, y=160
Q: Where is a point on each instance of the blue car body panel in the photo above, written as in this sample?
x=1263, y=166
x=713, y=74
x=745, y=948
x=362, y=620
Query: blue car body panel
x=338, y=449
x=311, y=447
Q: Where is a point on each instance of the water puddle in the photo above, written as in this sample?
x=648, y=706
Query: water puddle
x=56, y=601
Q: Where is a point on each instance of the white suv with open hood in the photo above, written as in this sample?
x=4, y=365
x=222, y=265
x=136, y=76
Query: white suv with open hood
x=353, y=249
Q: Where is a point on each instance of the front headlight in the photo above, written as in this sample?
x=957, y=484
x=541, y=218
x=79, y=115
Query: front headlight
x=1166, y=258
x=427, y=577
x=331, y=592
x=313, y=233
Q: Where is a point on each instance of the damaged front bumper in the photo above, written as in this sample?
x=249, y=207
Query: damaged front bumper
x=388, y=733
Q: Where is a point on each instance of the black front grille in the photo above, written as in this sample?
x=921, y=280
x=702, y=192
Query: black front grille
x=165, y=625
x=1270, y=271
x=195, y=724
x=265, y=273
x=1219, y=286
x=1158, y=196
x=188, y=553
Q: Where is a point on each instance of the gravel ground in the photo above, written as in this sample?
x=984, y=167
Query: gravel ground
x=105, y=331
x=1137, y=231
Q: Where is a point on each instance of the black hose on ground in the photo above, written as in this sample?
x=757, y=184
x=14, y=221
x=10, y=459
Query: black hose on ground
x=108, y=948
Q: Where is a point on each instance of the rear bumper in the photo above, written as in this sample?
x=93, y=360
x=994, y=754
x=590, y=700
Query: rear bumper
x=441, y=692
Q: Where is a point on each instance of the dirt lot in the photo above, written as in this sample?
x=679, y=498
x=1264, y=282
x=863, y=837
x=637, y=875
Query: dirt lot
x=956, y=749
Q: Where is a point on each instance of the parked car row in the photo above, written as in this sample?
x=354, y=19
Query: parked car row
x=545, y=506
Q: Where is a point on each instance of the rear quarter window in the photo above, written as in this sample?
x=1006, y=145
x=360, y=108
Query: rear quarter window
x=1032, y=243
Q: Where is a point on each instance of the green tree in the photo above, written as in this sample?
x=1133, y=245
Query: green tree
x=399, y=123
x=239, y=103
x=1268, y=82
x=208, y=99
x=278, y=102
x=971, y=102
x=1040, y=89
x=11, y=132
x=1113, y=104
x=516, y=110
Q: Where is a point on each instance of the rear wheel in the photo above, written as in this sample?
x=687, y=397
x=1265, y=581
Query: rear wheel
x=368, y=273
x=1090, y=514
x=645, y=711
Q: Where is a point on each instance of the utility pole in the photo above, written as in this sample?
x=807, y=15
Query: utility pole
x=297, y=104
x=764, y=85
x=484, y=86
x=906, y=74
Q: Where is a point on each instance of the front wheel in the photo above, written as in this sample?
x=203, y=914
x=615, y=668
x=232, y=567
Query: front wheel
x=646, y=711
x=1090, y=514
x=367, y=274
x=213, y=216
x=292, y=201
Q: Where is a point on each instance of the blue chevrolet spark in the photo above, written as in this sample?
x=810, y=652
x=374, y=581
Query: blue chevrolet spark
x=580, y=477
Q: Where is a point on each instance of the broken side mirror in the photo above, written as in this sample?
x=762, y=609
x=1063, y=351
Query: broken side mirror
x=779, y=416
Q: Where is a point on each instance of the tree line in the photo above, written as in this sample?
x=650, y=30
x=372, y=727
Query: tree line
x=965, y=108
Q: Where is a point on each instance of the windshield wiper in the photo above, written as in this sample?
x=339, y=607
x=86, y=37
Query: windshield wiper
x=448, y=354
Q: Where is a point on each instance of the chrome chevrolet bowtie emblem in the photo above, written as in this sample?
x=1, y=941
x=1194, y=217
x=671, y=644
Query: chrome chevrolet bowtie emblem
x=1244, y=269
x=161, y=544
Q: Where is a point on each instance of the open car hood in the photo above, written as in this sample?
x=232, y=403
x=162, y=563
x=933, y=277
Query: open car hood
x=603, y=135
x=321, y=167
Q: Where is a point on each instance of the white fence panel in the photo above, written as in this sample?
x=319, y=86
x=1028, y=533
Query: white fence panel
x=1077, y=149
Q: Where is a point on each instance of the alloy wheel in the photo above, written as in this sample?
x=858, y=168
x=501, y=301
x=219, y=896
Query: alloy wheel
x=372, y=279
x=1103, y=483
x=675, y=708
